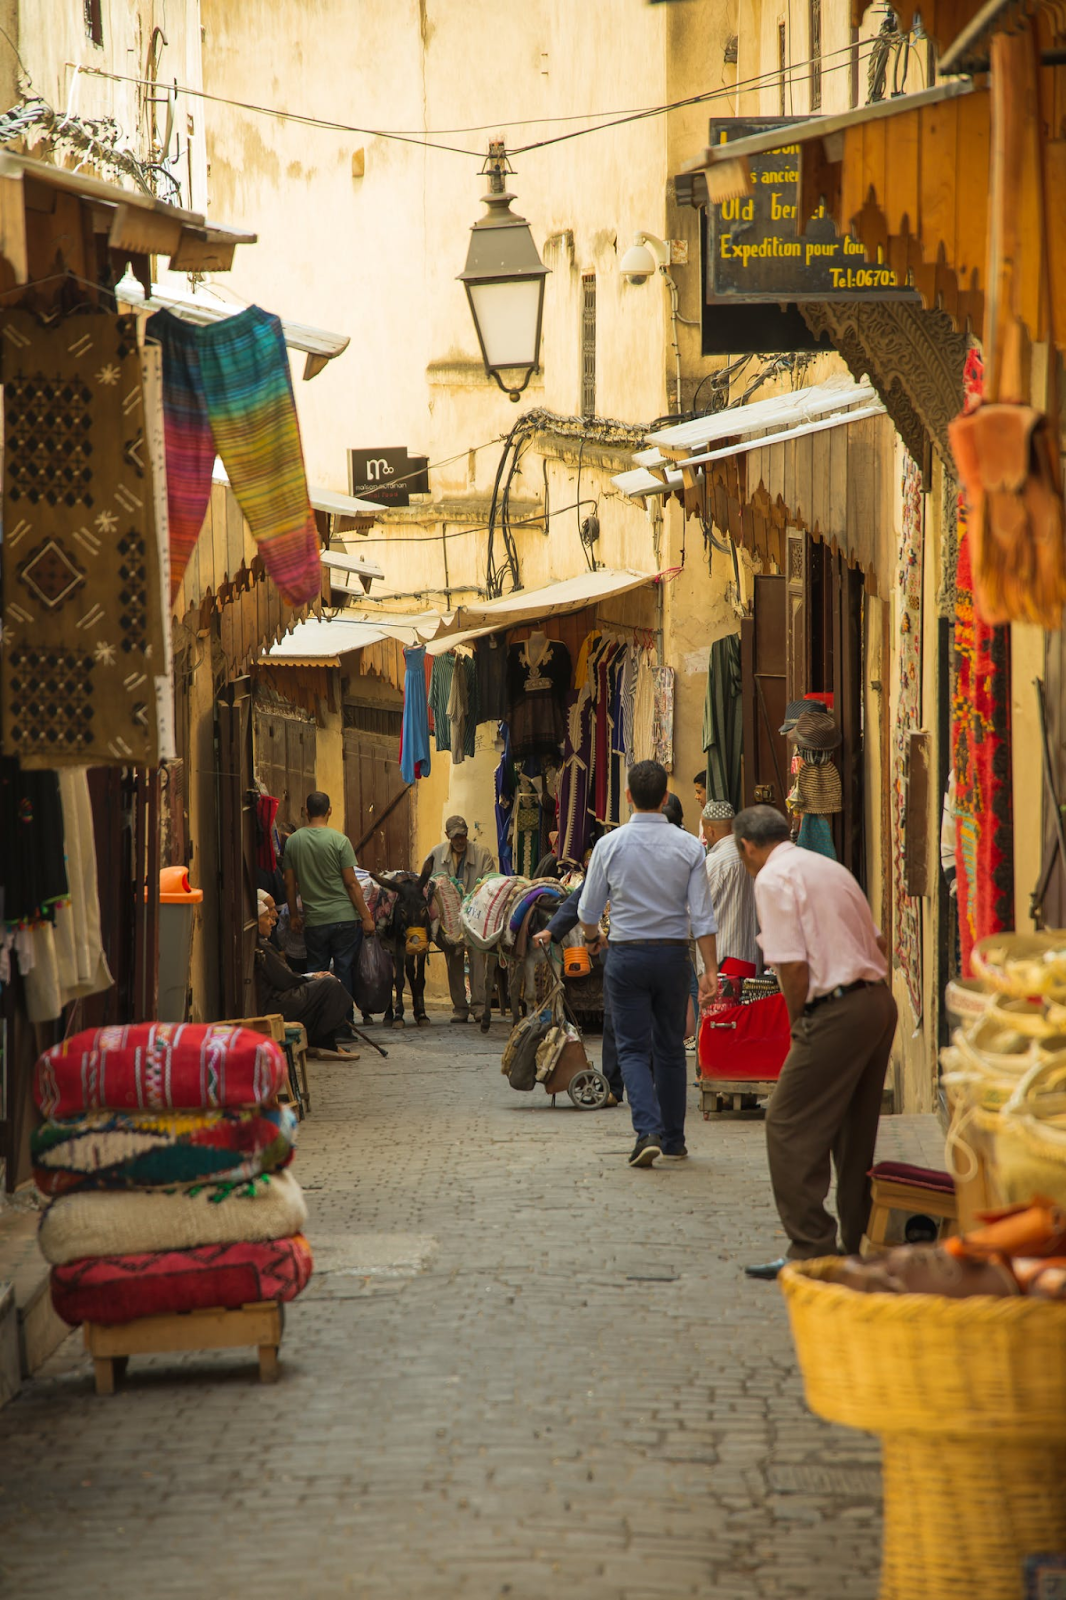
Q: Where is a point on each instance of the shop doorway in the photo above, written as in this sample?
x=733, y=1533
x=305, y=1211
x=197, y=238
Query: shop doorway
x=236, y=848
x=764, y=674
x=377, y=802
x=285, y=753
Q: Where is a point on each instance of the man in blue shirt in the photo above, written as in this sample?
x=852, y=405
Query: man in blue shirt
x=655, y=879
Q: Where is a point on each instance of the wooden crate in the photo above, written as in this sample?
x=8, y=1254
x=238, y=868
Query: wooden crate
x=112, y=1344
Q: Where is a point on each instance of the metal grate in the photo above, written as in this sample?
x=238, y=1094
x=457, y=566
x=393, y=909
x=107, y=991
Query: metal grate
x=815, y=41
x=588, y=344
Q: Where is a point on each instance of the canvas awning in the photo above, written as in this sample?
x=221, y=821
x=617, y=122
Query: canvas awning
x=827, y=474
x=317, y=344
x=325, y=641
x=135, y=224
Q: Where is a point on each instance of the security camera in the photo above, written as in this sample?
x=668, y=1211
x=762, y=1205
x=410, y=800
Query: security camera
x=643, y=258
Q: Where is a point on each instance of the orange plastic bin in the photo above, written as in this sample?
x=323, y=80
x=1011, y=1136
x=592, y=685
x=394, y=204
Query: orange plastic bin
x=177, y=905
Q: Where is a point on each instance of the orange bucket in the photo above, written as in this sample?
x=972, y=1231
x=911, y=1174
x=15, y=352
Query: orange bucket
x=577, y=963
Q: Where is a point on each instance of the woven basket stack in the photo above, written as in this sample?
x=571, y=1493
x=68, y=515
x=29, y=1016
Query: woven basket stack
x=1005, y=1075
x=164, y=1155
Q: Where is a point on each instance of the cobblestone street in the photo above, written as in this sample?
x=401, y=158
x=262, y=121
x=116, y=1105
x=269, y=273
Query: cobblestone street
x=521, y=1369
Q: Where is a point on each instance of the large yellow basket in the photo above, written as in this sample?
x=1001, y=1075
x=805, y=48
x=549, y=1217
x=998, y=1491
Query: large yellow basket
x=969, y=1397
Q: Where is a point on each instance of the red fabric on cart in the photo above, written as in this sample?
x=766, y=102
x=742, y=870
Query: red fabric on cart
x=745, y=1041
x=161, y=1282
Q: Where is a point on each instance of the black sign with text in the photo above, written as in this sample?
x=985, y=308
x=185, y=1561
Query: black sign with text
x=389, y=477
x=754, y=252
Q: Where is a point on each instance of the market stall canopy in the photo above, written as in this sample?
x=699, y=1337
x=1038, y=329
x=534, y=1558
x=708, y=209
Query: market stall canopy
x=317, y=344
x=909, y=178
x=475, y=620
x=132, y=223
x=812, y=459
x=325, y=641
x=344, y=568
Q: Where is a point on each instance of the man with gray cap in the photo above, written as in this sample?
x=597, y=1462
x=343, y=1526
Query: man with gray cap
x=732, y=890
x=464, y=863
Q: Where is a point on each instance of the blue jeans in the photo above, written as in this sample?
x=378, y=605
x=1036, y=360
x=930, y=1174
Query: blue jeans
x=647, y=988
x=339, y=941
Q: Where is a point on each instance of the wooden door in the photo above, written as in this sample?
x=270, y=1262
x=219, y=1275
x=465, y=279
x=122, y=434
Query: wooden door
x=764, y=675
x=377, y=804
x=285, y=758
x=236, y=848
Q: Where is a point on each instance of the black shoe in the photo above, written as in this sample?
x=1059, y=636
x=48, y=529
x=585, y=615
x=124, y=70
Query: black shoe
x=645, y=1151
x=767, y=1271
x=680, y=1154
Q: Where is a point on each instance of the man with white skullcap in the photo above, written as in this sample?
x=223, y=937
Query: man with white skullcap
x=732, y=890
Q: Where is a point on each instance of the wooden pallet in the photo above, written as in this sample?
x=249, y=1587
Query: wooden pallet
x=112, y=1344
x=736, y=1094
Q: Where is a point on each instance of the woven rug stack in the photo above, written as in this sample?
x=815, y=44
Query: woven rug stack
x=165, y=1157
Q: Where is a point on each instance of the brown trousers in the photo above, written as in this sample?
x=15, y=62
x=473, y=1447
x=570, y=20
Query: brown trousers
x=826, y=1106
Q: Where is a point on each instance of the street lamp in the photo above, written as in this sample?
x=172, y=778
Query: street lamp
x=504, y=279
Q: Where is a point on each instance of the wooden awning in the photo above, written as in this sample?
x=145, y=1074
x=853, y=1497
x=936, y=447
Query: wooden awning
x=53, y=220
x=910, y=179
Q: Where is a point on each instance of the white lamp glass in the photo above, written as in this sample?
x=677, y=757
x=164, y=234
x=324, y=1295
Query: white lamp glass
x=507, y=316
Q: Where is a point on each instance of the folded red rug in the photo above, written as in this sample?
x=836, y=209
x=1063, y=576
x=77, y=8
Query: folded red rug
x=122, y=1288
x=158, y=1066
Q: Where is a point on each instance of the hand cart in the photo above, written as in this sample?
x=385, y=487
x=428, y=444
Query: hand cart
x=742, y=1049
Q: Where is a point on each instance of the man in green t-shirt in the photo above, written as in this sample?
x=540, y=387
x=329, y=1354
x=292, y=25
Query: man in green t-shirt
x=320, y=867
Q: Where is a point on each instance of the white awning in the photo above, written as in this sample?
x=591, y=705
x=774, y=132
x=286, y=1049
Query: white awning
x=325, y=641
x=641, y=482
x=328, y=500
x=782, y=411
x=318, y=344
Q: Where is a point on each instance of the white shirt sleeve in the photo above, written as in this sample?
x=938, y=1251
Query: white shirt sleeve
x=595, y=890
x=700, y=904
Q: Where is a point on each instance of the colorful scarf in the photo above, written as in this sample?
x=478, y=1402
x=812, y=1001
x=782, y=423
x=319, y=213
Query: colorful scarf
x=227, y=390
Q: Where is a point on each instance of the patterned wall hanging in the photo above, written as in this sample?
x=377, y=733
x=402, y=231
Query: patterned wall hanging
x=907, y=911
x=83, y=612
x=981, y=748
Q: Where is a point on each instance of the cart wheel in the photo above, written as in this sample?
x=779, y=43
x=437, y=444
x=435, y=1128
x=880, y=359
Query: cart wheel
x=589, y=1089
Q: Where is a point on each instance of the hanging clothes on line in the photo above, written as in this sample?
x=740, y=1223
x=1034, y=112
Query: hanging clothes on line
x=227, y=390
x=414, y=732
x=723, y=728
x=490, y=666
x=440, y=689
x=504, y=784
x=538, y=679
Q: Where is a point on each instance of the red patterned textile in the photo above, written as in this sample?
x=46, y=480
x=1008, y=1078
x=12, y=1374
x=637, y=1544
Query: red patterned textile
x=123, y=1288
x=981, y=748
x=158, y=1066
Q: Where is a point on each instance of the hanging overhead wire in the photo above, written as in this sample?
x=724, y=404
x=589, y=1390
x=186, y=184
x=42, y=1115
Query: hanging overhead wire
x=429, y=139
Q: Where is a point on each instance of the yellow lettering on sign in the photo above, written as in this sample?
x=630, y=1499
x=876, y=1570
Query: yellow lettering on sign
x=778, y=209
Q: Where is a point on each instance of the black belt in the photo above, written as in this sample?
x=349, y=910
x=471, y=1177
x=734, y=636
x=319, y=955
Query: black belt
x=670, y=944
x=838, y=993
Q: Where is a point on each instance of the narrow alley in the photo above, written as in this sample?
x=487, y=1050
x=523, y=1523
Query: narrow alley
x=520, y=1369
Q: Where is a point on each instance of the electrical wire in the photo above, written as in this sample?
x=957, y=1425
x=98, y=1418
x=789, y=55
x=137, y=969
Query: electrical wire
x=427, y=140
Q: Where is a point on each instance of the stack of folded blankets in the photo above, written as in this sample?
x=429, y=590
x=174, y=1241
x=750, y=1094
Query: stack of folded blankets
x=165, y=1156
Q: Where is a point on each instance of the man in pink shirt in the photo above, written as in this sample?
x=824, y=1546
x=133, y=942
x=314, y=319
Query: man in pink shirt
x=819, y=936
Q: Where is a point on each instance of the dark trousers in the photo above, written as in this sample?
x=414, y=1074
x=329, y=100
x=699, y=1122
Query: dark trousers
x=339, y=942
x=609, y=1051
x=646, y=987
x=826, y=1108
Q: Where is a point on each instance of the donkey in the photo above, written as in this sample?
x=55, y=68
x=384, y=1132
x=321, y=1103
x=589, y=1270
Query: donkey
x=406, y=935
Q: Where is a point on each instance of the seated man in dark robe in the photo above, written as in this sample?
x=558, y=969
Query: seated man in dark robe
x=318, y=1000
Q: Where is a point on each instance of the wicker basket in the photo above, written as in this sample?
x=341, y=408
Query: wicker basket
x=1023, y=964
x=1029, y=1139
x=969, y=1397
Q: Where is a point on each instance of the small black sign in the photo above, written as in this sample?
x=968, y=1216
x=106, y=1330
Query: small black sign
x=755, y=252
x=389, y=477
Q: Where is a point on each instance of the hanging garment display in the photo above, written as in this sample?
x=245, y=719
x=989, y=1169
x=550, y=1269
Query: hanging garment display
x=83, y=634
x=981, y=748
x=440, y=688
x=907, y=920
x=644, y=710
x=414, y=733
x=664, y=717
x=504, y=784
x=574, y=819
x=526, y=837
x=723, y=726
x=600, y=665
x=227, y=390
x=490, y=666
x=34, y=877
x=155, y=443
x=538, y=678
x=82, y=965
x=458, y=711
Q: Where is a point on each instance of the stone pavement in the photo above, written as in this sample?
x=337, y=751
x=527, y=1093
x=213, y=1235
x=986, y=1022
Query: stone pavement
x=521, y=1370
